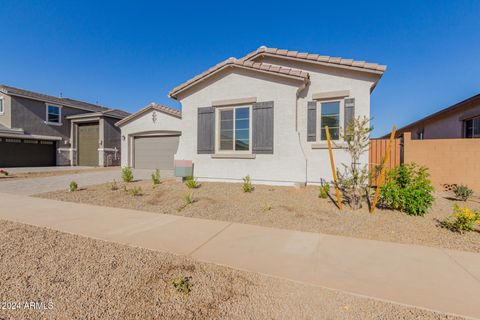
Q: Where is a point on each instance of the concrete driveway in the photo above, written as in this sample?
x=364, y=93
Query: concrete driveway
x=30, y=186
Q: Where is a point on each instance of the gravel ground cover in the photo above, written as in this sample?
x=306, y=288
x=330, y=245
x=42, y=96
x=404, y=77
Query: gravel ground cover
x=42, y=174
x=83, y=278
x=283, y=207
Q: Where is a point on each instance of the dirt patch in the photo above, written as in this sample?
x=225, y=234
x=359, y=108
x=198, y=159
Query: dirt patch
x=290, y=208
x=43, y=174
x=84, y=278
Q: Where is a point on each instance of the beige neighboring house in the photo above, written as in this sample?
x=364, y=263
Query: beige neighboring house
x=461, y=120
x=150, y=137
x=264, y=115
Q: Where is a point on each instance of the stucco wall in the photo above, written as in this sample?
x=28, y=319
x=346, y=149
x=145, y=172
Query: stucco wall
x=144, y=125
x=450, y=161
x=294, y=160
x=5, y=117
x=30, y=115
x=448, y=126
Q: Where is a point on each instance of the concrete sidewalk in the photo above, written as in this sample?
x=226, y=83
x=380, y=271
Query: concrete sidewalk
x=437, y=279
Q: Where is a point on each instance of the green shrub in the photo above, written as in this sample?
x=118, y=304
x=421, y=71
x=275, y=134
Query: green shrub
x=113, y=185
x=182, y=284
x=266, y=206
x=191, y=182
x=73, y=186
x=408, y=189
x=247, y=184
x=156, y=177
x=462, y=192
x=127, y=174
x=462, y=219
x=324, y=190
x=135, y=191
x=187, y=201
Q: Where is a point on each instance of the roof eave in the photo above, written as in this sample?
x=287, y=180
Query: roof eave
x=142, y=111
x=324, y=63
x=174, y=94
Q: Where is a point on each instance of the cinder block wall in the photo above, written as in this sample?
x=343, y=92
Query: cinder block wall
x=450, y=161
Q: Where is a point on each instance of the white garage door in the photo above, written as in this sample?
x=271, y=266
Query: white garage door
x=155, y=152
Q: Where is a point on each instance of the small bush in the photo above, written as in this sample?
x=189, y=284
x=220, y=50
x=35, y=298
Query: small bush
x=408, y=189
x=135, y=191
x=156, y=177
x=187, y=201
x=462, y=219
x=182, y=284
x=462, y=192
x=324, y=190
x=113, y=185
x=5, y=173
x=73, y=186
x=247, y=184
x=127, y=174
x=191, y=182
x=266, y=206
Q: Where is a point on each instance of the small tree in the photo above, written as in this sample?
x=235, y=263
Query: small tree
x=353, y=181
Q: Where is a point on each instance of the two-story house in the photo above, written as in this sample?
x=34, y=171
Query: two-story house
x=42, y=130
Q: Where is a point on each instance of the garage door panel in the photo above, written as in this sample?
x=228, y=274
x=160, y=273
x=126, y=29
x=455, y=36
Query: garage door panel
x=88, y=135
x=26, y=153
x=155, y=152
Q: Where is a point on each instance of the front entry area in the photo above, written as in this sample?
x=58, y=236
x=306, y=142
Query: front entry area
x=88, y=137
x=155, y=152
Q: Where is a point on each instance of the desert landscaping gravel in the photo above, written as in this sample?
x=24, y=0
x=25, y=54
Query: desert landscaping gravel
x=83, y=278
x=283, y=207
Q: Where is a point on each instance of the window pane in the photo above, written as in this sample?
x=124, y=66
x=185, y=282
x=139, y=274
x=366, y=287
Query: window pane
x=330, y=116
x=53, y=118
x=468, y=129
x=476, y=128
x=330, y=108
x=1, y=105
x=226, y=130
x=242, y=129
x=53, y=110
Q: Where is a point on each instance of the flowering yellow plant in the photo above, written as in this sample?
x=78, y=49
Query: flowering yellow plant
x=462, y=219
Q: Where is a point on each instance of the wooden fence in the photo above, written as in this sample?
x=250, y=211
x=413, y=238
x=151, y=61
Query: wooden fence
x=378, y=147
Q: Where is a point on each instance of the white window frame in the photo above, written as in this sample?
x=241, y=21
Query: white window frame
x=59, y=123
x=217, y=130
x=2, y=102
x=319, y=119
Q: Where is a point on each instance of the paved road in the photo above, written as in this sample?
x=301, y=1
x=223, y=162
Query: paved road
x=432, y=278
x=54, y=183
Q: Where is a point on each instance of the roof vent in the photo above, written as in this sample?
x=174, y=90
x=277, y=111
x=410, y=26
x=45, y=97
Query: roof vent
x=232, y=59
x=263, y=48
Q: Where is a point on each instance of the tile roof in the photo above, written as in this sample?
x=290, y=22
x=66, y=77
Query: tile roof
x=154, y=106
x=314, y=58
x=232, y=62
x=43, y=97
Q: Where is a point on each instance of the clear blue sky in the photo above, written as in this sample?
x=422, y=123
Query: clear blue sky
x=127, y=54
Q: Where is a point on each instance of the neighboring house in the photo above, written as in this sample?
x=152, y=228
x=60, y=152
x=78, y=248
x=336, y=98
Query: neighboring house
x=462, y=120
x=150, y=137
x=264, y=115
x=41, y=130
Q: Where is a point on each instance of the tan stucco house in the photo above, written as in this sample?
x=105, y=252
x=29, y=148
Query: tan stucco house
x=461, y=120
x=264, y=115
x=42, y=130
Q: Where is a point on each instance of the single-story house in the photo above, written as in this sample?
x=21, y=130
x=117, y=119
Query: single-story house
x=42, y=130
x=264, y=115
x=150, y=137
x=461, y=120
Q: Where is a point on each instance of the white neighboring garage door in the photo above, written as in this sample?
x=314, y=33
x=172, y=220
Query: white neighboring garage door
x=155, y=152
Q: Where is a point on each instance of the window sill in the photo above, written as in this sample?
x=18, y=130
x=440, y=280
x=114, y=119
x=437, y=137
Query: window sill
x=52, y=123
x=233, y=156
x=335, y=145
